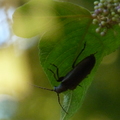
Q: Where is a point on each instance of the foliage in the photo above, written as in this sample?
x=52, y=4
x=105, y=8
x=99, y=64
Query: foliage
x=66, y=27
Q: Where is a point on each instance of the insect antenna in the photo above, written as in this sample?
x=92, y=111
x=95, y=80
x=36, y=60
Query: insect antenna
x=54, y=91
x=42, y=87
x=60, y=103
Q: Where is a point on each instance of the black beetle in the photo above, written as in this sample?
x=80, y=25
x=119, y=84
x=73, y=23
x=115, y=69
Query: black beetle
x=75, y=76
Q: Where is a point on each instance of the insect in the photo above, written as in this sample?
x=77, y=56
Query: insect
x=74, y=77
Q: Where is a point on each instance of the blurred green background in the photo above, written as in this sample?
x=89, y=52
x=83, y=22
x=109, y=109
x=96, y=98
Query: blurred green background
x=20, y=67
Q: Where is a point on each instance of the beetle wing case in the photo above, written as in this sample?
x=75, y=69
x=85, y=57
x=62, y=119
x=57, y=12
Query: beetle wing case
x=79, y=72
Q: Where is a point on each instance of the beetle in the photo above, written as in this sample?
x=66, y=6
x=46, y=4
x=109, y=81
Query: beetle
x=73, y=78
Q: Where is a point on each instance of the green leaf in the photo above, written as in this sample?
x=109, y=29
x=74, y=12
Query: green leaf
x=61, y=44
x=33, y=18
x=62, y=49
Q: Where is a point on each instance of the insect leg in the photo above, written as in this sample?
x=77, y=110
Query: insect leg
x=80, y=85
x=56, y=71
x=60, y=103
x=53, y=74
x=73, y=65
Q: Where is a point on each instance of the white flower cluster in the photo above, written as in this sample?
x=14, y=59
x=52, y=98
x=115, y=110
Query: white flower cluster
x=106, y=14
